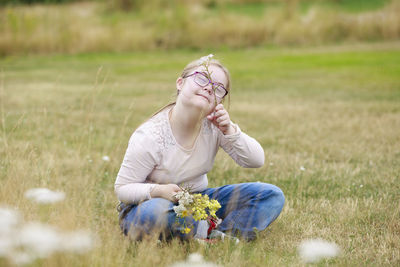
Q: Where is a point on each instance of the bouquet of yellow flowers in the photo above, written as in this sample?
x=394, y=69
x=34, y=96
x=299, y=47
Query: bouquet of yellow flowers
x=198, y=206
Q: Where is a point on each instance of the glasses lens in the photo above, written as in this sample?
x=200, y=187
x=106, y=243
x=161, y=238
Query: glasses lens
x=200, y=79
x=220, y=91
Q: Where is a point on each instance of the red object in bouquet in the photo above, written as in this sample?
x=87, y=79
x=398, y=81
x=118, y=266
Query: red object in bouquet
x=212, y=222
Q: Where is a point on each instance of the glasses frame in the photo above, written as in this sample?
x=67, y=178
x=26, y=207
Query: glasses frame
x=209, y=81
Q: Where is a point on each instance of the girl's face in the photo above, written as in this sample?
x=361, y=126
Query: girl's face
x=202, y=97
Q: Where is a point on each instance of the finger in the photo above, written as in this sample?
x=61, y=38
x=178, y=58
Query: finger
x=211, y=117
x=214, y=121
x=224, y=117
x=219, y=107
x=177, y=188
x=220, y=113
x=224, y=123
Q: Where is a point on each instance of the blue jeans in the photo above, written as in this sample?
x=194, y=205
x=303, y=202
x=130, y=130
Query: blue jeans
x=245, y=209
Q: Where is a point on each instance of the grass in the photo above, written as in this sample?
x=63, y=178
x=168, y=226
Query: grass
x=334, y=110
x=353, y=6
x=258, y=8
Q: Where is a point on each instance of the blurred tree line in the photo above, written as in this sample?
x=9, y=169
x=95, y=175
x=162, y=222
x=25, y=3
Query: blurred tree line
x=134, y=25
x=133, y=4
x=35, y=1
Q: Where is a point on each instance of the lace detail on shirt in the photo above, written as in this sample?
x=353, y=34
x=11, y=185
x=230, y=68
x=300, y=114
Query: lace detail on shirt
x=159, y=127
x=206, y=127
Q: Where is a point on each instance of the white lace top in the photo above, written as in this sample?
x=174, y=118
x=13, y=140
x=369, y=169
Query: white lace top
x=154, y=157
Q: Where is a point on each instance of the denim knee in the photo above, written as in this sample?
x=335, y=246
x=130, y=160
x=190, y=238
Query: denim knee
x=275, y=194
x=153, y=211
x=280, y=197
x=146, y=217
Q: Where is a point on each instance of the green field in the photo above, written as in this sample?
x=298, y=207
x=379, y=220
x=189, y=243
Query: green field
x=257, y=8
x=333, y=110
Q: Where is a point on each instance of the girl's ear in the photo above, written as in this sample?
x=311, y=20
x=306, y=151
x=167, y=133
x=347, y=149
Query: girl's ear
x=179, y=84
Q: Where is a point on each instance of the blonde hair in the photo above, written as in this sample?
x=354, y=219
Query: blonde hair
x=195, y=64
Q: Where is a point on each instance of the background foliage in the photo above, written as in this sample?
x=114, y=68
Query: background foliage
x=120, y=26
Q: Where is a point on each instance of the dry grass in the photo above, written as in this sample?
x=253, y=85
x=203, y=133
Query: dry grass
x=333, y=110
x=88, y=27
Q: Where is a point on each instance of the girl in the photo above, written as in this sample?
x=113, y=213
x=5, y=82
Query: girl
x=177, y=147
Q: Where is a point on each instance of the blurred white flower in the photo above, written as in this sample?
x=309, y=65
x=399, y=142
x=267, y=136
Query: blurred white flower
x=44, y=195
x=78, y=242
x=105, y=158
x=6, y=245
x=302, y=168
x=205, y=59
x=21, y=257
x=8, y=220
x=42, y=240
x=361, y=186
x=39, y=239
x=194, y=260
x=314, y=250
x=23, y=243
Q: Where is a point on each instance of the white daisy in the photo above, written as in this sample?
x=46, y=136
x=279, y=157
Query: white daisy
x=44, y=195
x=314, y=250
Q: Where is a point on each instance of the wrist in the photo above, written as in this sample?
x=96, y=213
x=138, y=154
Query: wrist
x=231, y=130
x=156, y=192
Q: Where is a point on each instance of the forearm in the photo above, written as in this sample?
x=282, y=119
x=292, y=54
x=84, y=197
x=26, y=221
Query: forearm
x=133, y=193
x=156, y=191
x=245, y=150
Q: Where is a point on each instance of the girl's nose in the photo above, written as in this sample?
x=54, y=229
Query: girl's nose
x=209, y=88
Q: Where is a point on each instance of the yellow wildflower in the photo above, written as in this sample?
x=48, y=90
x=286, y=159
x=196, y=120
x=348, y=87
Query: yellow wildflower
x=195, y=205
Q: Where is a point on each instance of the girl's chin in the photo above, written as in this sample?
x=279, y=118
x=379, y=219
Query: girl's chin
x=201, y=104
x=205, y=107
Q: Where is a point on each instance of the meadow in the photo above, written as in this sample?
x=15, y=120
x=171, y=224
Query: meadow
x=328, y=118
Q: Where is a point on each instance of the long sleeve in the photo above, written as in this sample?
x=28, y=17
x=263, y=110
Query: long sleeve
x=139, y=160
x=243, y=149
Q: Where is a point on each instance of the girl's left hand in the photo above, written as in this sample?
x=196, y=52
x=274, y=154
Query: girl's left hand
x=220, y=118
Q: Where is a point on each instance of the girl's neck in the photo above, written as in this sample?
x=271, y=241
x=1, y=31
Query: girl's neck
x=185, y=124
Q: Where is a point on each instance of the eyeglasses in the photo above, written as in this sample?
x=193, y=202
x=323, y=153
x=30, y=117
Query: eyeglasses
x=202, y=80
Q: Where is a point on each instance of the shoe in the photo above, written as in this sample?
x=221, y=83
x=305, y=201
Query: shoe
x=218, y=235
x=205, y=241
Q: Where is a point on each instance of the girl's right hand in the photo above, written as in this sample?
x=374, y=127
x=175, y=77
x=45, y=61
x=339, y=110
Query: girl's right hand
x=166, y=191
